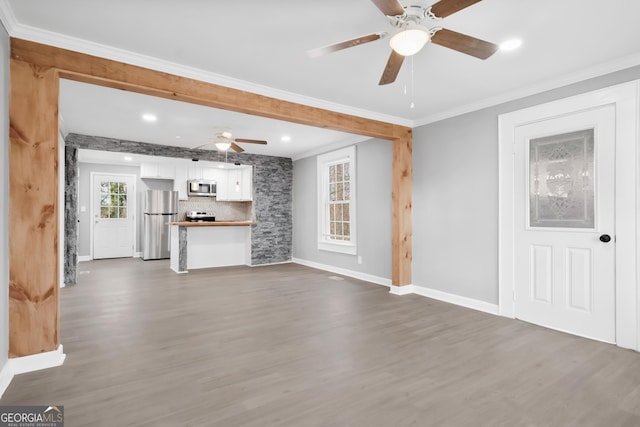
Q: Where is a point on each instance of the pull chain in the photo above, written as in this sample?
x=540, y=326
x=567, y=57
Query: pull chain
x=412, y=105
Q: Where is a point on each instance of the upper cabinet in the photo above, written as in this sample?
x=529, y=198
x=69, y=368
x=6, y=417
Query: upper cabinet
x=233, y=183
x=157, y=170
x=239, y=184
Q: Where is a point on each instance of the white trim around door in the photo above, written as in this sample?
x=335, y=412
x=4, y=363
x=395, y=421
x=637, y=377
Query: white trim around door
x=626, y=100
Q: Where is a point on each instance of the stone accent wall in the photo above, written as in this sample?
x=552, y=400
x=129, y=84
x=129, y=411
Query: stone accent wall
x=271, y=237
x=70, y=215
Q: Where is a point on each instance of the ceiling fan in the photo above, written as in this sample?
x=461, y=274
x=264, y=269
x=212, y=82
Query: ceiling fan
x=411, y=34
x=224, y=140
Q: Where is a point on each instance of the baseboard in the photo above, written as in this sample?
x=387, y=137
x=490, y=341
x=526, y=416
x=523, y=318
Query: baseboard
x=137, y=254
x=83, y=258
x=456, y=299
x=401, y=290
x=343, y=271
x=6, y=375
x=36, y=362
x=270, y=263
x=179, y=272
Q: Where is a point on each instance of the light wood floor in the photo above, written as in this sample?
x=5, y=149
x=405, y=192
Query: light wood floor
x=287, y=346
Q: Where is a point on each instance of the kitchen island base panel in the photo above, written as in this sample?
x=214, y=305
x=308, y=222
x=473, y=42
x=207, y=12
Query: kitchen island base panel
x=206, y=247
x=218, y=246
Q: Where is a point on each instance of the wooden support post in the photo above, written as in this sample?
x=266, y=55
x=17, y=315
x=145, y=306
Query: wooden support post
x=33, y=210
x=401, y=201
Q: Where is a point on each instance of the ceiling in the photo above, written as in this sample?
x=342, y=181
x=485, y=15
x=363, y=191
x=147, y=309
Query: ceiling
x=261, y=47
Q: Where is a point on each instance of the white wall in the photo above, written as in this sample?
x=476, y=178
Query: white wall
x=373, y=210
x=455, y=195
x=4, y=201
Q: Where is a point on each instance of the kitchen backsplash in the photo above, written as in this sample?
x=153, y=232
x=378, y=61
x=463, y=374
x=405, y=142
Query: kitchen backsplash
x=232, y=211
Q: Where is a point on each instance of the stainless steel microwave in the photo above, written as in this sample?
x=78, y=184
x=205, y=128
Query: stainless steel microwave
x=198, y=187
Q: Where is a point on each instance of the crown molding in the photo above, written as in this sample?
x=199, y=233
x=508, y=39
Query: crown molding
x=38, y=35
x=566, y=80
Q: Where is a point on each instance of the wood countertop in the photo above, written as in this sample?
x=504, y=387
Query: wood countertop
x=213, y=223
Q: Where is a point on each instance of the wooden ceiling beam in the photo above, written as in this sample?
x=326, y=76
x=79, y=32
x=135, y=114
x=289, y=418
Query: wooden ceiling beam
x=104, y=72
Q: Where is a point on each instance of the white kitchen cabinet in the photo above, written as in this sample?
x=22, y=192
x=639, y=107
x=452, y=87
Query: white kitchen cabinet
x=194, y=172
x=157, y=170
x=180, y=180
x=247, y=183
x=239, y=186
x=210, y=174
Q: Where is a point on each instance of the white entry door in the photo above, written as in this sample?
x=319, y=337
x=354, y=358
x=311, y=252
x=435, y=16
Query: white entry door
x=564, y=223
x=113, y=214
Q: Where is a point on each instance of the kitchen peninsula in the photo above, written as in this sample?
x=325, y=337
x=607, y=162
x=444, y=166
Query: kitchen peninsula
x=210, y=244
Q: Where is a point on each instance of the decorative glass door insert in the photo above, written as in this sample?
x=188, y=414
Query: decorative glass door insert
x=561, y=180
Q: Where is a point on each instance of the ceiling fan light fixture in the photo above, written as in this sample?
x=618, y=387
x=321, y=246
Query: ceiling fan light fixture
x=410, y=40
x=223, y=146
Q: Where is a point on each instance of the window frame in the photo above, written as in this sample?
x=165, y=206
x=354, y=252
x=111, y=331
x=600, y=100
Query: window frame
x=324, y=161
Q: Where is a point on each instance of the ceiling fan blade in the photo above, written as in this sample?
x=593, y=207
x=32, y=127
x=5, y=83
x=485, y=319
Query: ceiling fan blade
x=389, y=7
x=200, y=146
x=251, y=141
x=392, y=68
x=314, y=53
x=463, y=43
x=235, y=147
x=444, y=8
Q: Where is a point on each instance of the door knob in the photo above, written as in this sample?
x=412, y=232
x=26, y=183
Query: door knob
x=605, y=238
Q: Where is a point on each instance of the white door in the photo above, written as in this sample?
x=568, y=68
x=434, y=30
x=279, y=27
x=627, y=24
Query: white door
x=564, y=223
x=113, y=214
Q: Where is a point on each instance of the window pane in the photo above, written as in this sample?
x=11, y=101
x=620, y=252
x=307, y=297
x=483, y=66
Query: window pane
x=123, y=212
x=332, y=212
x=346, y=230
x=332, y=229
x=345, y=212
x=347, y=191
x=113, y=187
x=104, y=212
x=347, y=176
x=104, y=187
x=105, y=200
x=122, y=187
x=332, y=173
x=332, y=192
x=339, y=172
x=114, y=200
x=122, y=200
x=339, y=212
x=339, y=192
x=113, y=212
x=338, y=231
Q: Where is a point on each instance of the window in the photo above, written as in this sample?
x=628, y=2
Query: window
x=113, y=199
x=336, y=201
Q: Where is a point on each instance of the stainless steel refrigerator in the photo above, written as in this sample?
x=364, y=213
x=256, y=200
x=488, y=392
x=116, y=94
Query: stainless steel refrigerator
x=160, y=208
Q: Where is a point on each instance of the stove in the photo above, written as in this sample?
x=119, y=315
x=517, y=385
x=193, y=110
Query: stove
x=194, y=216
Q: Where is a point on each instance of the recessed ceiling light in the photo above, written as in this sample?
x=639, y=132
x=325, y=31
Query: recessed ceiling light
x=512, y=44
x=148, y=117
x=286, y=138
x=128, y=158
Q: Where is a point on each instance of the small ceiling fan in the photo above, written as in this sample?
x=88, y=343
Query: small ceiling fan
x=224, y=140
x=407, y=17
